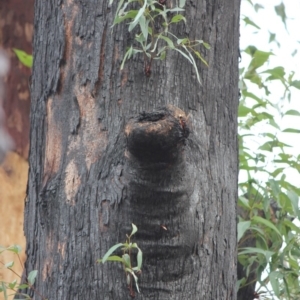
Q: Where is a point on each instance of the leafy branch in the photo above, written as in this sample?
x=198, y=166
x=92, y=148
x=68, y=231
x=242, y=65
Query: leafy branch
x=14, y=286
x=154, y=38
x=126, y=259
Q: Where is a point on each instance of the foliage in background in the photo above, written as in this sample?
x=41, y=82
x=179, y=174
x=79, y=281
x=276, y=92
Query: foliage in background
x=14, y=288
x=270, y=206
x=126, y=259
x=153, y=38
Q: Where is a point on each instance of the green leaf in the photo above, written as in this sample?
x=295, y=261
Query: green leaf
x=139, y=258
x=296, y=84
x=291, y=130
x=23, y=286
x=206, y=45
x=280, y=11
x=24, y=58
x=267, y=223
x=250, y=22
x=294, y=200
x=134, y=277
x=244, y=110
x=292, y=112
x=182, y=41
x=112, y=258
x=163, y=55
x=126, y=56
x=277, y=73
x=126, y=260
x=144, y=26
x=274, y=282
x=15, y=249
x=12, y=285
x=134, y=229
x=274, y=187
x=259, y=58
x=31, y=277
x=178, y=18
x=257, y=7
x=129, y=15
x=110, y=251
x=168, y=40
x=243, y=226
x=252, y=250
x=200, y=57
x=138, y=16
x=272, y=37
x=4, y=290
x=244, y=202
x=193, y=63
x=9, y=264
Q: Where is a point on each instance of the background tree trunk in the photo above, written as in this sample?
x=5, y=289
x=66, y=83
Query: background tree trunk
x=16, y=30
x=96, y=165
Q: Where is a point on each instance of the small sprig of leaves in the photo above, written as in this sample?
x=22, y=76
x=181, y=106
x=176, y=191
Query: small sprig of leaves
x=14, y=287
x=154, y=38
x=126, y=259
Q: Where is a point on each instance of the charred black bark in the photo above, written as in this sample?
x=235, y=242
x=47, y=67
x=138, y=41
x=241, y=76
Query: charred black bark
x=161, y=181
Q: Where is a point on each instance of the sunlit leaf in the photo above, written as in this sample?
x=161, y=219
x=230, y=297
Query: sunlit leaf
x=24, y=58
x=259, y=58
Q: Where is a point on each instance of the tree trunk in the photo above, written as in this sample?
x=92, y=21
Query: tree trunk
x=110, y=148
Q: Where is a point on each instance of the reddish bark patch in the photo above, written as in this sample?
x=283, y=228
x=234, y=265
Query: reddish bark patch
x=53, y=142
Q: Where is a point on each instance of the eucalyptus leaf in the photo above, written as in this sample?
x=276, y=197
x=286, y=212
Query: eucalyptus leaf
x=242, y=228
x=260, y=220
x=31, y=277
x=24, y=58
x=138, y=16
x=110, y=251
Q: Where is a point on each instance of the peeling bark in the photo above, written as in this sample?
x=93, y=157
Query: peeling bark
x=111, y=148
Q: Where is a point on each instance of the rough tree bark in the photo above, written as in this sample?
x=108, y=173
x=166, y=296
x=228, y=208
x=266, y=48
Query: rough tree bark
x=109, y=148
